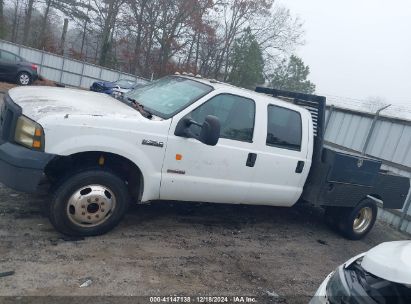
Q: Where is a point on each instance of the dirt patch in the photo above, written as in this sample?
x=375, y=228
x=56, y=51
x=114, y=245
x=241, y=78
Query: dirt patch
x=169, y=248
x=5, y=86
x=45, y=82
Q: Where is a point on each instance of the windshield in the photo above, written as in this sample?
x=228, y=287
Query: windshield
x=169, y=95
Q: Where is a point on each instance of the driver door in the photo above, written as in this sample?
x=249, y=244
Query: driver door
x=193, y=171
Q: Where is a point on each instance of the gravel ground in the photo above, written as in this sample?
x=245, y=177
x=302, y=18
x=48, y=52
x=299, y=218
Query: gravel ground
x=175, y=248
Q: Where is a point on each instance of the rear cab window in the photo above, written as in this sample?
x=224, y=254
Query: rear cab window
x=284, y=128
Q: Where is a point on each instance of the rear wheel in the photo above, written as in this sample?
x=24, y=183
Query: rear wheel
x=355, y=223
x=24, y=78
x=89, y=203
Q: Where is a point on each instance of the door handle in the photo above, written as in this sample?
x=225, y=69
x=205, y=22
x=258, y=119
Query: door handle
x=300, y=167
x=252, y=157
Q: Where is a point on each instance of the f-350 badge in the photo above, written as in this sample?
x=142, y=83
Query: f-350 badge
x=154, y=143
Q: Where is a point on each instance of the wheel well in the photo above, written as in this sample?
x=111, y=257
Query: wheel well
x=377, y=198
x=62, y=166
x=25, y=72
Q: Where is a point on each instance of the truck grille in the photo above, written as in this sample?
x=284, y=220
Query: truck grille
x=9, y=112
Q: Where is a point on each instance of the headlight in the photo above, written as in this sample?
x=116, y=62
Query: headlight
x=29, y=133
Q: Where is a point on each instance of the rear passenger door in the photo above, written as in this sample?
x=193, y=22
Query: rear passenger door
x=282, y=165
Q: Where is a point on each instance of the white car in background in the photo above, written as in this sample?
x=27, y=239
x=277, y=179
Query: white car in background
x=380, y=275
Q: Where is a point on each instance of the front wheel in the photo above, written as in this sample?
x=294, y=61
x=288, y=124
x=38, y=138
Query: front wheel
x=89, y=203
x=355, y=223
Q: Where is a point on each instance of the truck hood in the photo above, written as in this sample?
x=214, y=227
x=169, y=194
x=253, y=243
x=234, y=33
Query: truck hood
x=39, y=102
x=390, y=261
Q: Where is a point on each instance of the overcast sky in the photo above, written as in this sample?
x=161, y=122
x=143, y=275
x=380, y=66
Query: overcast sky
x=357, y=48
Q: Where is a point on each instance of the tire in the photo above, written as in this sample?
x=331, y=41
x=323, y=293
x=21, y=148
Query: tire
x=355, y=223
x=89, y=203
x=24, y=78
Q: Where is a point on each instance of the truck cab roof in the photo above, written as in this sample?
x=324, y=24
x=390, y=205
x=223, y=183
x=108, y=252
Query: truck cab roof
x=257, y=96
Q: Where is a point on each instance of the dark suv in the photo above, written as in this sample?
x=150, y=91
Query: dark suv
x=16, y=69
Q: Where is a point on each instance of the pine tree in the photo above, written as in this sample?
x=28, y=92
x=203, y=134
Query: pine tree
x=292, y=76
x=247, y=62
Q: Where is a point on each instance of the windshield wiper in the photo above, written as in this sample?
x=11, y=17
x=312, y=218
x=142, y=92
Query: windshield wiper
x=139, y=107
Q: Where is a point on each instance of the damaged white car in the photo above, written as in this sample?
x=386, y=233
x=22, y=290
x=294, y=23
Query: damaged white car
x=381, y=275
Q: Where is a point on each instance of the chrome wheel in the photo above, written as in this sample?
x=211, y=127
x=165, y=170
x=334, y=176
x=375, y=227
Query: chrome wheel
x=363, y=220
x=24, y=79
x=91, y=205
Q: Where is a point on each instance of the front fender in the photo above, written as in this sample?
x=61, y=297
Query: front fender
x=126, y=143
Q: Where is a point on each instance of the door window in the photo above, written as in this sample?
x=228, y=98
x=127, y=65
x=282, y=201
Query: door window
x=284, y=128
x=236, y=115
x=6, y=56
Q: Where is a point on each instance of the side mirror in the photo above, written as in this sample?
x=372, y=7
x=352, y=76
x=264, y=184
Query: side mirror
x=210, y=130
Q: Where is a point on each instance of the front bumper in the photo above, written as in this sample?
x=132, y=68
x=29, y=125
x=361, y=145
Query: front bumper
x=22, y=169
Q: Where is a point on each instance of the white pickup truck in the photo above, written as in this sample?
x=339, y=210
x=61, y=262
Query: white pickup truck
x=187, y=139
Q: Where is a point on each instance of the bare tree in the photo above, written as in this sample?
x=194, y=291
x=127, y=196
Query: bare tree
x=63, y=36
x=158, y=37
x=86, y=22
x=27, y=20
x=2, y=21
x=175, y=21
x=108, y=11
x=138, y=9
x=42, y=40
x=152, y=16
x=16, y=18
x=278, y=35
x=374, y=103
x=70, y=8
x=237, y=15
